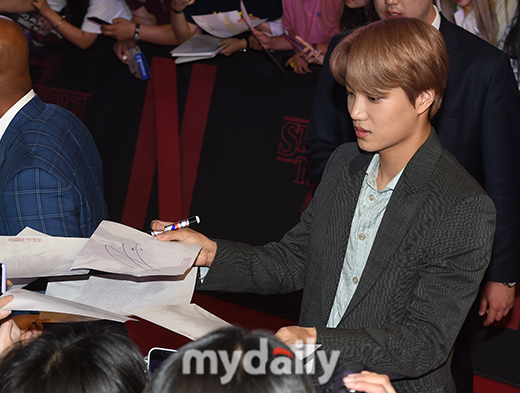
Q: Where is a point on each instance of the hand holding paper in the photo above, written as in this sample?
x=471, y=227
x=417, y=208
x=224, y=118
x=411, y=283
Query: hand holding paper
x=116, y=248
x=189, y=236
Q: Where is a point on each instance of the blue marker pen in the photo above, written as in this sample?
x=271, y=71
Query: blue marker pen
x=178, y=225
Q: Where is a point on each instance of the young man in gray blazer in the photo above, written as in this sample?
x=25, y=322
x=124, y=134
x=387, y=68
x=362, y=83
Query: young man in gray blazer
x=393, y=247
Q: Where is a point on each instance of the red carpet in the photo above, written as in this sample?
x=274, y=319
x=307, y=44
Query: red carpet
x=485, y=385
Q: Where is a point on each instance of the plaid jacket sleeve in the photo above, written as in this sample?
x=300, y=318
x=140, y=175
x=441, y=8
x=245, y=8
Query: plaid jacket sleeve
x=36, y=199
x=50, y=174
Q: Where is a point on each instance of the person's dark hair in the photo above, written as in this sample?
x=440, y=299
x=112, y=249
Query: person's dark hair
x=75, y=358
x=512, y=42
x=352, y=18
x=75, y=11
x=179, y=372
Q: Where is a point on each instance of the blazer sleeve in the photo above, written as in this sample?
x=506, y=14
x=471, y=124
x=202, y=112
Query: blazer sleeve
x=277, y=267
x=417, y=331
x=37, y=199
x=500, y=147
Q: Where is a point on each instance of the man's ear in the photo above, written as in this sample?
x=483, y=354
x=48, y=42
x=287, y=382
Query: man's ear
x=424, y=101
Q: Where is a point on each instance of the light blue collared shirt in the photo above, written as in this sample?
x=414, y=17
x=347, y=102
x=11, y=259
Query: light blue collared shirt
x=370, y=209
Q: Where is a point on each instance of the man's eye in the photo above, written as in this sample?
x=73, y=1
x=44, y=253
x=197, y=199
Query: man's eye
x=375, y=99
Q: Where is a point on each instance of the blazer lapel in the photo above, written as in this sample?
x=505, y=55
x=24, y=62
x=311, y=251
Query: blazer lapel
x=341, y=210
x=407, y=198
x=13, y=136
x=447, y=30
x=2, y=154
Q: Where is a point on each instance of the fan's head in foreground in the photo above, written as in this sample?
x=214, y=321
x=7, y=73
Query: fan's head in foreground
x=231, y=360
x=87, y=357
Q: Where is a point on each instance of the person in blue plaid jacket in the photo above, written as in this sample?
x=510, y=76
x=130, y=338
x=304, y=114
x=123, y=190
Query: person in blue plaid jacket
x=50, y=169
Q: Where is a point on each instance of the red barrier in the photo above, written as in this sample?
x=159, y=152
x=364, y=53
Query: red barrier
x=159, y=143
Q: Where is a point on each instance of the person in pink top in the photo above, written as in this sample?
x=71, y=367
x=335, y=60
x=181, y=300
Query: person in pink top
x=315, y=21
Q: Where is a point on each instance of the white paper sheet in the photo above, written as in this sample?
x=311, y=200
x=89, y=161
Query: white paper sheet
x=224, y=24
x=117, y=248
x=203, y=46
x=34, y=301
x=34, y=254
x=189, y=320
x=249, y=23
x=115, y=293
x=186, y=59
x=31, y=233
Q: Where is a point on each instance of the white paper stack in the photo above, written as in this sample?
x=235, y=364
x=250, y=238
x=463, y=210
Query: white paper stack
x=198, y=47
x=155, y=280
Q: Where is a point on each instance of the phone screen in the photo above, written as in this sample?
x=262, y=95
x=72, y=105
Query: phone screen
x=4, y=278
x=157, y=356
x=98, y=21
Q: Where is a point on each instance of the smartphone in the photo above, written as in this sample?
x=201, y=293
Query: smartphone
x=156, y=356
x=4, y=278
x=98, y=21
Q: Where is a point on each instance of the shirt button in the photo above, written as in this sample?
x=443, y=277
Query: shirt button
x=371, y=197
x=362, y=236
x=355, y=280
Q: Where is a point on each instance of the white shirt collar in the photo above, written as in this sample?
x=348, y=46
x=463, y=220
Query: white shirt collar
x=373, y=170
x=8, y=116
x=437, y=21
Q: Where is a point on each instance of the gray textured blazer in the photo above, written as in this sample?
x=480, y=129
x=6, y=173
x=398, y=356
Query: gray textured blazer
x=422, y=275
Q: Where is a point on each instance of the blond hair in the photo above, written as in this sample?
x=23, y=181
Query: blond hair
x=402, y=53
x=486, y=18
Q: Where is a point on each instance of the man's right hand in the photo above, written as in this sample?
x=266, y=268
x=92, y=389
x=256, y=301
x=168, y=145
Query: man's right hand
x=186, y=235
x=368, y=382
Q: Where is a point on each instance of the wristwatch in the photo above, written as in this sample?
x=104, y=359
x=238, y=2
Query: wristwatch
x=136, y=33
x=509, y=284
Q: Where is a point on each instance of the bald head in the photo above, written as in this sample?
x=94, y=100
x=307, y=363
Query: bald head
x=15, y=80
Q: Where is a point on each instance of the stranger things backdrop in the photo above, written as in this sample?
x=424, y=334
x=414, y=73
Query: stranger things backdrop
x=220, y=138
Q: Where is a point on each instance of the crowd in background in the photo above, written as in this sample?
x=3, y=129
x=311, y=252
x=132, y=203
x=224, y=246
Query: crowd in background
x=171, y=23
